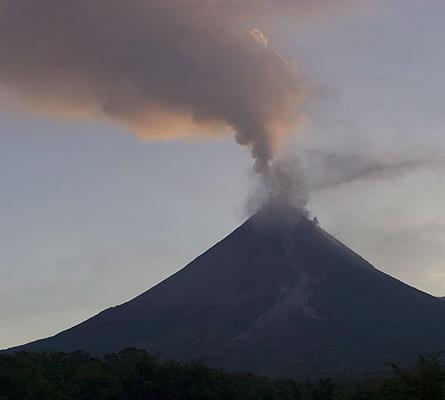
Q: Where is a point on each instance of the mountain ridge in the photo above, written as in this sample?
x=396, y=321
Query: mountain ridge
x=278, y=296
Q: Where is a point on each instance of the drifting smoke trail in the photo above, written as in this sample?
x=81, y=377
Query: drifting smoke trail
x=165, y=69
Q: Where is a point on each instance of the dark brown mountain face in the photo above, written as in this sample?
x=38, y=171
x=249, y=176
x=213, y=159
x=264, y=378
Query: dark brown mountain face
x=278, y=296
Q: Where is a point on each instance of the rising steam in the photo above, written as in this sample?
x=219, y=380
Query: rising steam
x=164, y=69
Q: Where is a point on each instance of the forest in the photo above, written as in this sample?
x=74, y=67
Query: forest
x=134, y=374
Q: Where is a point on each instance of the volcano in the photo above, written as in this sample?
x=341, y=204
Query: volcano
x=279, y=296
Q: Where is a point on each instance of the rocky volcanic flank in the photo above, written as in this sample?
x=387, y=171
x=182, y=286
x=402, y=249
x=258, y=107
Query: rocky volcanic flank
x=278, y=296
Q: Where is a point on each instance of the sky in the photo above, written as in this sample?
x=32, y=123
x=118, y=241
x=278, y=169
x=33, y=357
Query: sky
x=92, y=215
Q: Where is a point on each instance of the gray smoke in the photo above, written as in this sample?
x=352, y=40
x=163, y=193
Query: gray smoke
x=327, y=170
x=163, y=68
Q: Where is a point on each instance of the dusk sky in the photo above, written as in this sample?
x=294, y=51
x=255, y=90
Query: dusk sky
x=91, y=215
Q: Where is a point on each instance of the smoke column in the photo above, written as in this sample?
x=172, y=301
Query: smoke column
x=164, y=69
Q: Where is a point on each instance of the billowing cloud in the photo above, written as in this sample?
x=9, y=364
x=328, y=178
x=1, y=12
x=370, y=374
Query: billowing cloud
x=165, y=69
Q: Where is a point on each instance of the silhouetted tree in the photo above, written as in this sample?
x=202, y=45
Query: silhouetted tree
x=136, y=375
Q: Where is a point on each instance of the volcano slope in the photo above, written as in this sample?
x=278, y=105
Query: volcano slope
x=278, y=296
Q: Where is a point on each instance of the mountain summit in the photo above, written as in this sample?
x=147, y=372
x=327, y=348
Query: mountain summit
x=278, y=296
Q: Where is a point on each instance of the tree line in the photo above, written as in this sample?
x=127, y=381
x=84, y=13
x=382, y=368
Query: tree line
x=134, y=374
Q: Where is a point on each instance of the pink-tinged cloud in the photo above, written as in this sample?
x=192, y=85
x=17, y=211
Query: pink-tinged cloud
x=163, y=68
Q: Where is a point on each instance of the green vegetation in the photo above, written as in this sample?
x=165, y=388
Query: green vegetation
x=136, y=375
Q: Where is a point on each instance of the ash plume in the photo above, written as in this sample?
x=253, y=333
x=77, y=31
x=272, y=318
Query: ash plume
x=332, y=169
x=164, y=69
x=282, y=187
